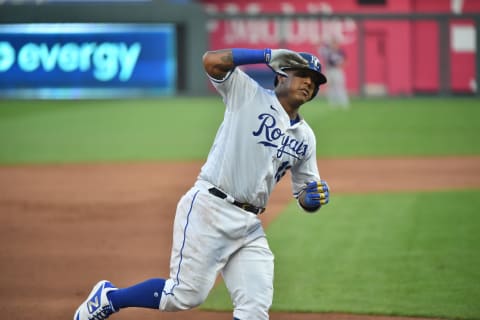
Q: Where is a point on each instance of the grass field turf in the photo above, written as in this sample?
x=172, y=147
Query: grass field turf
x=404, y=254
x=184, y=128
x=385, y=260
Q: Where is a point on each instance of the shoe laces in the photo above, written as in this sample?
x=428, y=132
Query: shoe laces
x=102, y=313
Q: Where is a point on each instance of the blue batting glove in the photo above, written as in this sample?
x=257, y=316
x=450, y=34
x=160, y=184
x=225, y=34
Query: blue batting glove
x=316, y=194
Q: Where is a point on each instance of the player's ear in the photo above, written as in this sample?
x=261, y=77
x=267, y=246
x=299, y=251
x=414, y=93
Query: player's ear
x=278, y=79
x=275, y=81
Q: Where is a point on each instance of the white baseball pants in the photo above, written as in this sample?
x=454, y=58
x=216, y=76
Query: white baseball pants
x=212, y=236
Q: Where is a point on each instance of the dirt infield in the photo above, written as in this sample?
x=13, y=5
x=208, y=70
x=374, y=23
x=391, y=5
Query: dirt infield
x=63, y=228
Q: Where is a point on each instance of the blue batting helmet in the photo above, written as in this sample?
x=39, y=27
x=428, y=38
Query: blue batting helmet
x=314, y=65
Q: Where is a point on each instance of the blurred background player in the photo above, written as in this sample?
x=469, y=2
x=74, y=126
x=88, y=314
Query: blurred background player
x=334, y=57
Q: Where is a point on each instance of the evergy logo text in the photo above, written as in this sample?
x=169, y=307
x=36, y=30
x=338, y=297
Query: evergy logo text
x=106, y=60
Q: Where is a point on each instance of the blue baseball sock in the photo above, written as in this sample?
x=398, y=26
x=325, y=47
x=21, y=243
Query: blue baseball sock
x=143, y=295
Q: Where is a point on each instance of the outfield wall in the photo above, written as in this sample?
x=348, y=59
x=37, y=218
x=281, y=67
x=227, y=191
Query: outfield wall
x=393, y=47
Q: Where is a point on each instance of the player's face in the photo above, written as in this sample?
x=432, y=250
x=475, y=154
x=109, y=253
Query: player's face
x=301, y=84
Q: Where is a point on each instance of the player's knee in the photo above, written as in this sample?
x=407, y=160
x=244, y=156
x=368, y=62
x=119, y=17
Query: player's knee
x=194, y=298
x=180, y=300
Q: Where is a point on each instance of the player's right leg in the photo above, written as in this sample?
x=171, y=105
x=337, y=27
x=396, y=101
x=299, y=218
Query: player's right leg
x=248, y=276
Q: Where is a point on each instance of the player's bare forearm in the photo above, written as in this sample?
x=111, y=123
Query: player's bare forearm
x=218, y=63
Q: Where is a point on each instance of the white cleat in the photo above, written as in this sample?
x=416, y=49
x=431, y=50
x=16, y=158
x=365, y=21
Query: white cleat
x=97, y=306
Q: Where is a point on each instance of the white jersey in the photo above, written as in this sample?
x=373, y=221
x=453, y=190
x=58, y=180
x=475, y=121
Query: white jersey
x=256, y=144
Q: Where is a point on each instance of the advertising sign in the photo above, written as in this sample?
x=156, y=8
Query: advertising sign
x=90, y=60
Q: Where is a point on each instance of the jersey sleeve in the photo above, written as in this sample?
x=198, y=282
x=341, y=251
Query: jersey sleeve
x=236, y=88
x=306, y=170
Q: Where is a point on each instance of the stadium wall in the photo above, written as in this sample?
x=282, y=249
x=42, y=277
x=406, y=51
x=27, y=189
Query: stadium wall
x=397, y=48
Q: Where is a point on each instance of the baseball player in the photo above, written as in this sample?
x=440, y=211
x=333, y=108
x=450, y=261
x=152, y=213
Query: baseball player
x=217, y=227
x=335, y=58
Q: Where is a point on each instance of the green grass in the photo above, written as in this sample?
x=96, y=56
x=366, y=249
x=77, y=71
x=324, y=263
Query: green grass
x=93, y=131
x=396, y=127
x=405, y=254
x=399, y=254
x=184, y=128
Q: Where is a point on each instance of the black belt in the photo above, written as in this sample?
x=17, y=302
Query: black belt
x=245, y=206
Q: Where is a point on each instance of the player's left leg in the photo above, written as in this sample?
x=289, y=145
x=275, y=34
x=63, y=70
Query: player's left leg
x=248, y=276
x=142, y=295
x=106, y=299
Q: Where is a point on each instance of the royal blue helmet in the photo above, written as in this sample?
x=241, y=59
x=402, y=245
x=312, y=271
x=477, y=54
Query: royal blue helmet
x=314, y=65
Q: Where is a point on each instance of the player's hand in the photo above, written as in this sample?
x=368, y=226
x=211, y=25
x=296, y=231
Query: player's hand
x=284, y=58
x=316, y=194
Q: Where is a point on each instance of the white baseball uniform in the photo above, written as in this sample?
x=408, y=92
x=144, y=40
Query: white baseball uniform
x=254, y=147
